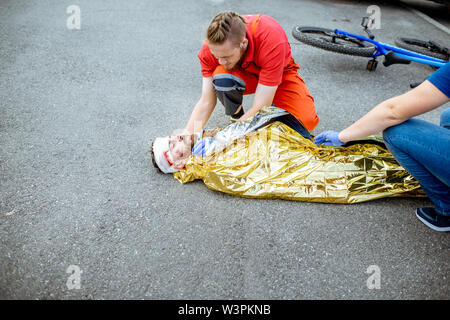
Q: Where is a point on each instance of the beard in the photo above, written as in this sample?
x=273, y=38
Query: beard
x=234, y=67
x=239, y=62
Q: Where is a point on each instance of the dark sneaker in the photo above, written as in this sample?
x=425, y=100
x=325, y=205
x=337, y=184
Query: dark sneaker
x=432, y=219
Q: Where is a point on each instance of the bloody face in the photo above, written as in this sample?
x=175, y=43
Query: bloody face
x=180, y=147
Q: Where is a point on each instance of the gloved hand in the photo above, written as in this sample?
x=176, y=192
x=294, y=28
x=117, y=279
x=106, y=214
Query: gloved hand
x=329, y=138
x=201, y=146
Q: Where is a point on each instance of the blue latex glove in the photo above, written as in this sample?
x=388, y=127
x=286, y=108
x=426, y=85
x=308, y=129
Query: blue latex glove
x=329, y=138
x=199, y=148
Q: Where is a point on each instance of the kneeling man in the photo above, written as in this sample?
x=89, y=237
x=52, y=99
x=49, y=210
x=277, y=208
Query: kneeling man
x=245, y=55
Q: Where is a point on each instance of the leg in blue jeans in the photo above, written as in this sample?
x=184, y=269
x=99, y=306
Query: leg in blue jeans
x=445, y=118
x=423, y=149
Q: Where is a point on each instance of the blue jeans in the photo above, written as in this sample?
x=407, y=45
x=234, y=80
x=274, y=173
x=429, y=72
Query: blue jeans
x=423, y=149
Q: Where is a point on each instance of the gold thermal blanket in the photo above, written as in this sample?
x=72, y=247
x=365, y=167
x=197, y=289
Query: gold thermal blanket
x=277, y=162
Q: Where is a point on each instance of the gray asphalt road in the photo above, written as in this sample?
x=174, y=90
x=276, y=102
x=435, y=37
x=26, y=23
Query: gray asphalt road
x=79, y=109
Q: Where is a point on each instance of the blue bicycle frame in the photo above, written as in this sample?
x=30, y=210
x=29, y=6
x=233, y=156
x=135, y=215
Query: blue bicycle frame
x=383, y=48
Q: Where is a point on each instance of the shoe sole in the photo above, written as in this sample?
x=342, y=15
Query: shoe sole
x=441, y=229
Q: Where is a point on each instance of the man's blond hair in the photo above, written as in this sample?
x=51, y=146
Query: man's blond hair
x=226, y=25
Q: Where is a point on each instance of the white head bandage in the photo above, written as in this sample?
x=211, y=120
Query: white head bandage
x=163, y=156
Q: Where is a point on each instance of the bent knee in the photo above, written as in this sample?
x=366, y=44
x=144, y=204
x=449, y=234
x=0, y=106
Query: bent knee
x=445, y=118
x=402, y=129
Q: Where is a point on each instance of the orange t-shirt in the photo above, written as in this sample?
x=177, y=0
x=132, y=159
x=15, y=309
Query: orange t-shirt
x=268, y=52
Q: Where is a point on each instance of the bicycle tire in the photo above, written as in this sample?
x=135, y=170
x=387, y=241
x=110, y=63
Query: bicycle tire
x=419, y=46
x=323, y=38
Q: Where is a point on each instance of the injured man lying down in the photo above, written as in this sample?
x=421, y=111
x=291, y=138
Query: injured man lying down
x=272, y=156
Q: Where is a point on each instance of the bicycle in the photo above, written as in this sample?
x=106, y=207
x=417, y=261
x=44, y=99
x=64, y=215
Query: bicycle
x=426, y=52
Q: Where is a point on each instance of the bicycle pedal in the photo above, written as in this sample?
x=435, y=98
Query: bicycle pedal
x=372, y=65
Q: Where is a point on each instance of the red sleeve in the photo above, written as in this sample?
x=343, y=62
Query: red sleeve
x=273, y=64
x=208, y=62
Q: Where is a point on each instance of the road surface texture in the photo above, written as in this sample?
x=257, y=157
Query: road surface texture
x=78, y=191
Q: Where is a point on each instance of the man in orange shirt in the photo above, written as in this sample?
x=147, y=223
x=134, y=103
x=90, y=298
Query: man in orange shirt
x=245, y=55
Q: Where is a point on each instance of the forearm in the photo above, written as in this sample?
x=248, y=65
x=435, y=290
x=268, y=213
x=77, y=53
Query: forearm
x=263, y=97
x=252, y=111
x=388, y=113
x=379, y=118
x=396, y=110
x=199, y=116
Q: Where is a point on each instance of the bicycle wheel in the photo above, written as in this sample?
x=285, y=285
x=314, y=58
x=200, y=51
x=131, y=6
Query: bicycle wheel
x=422, y=47
x=328, y=40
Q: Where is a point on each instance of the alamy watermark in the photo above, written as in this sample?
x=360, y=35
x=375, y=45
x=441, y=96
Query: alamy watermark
x=74, y=20
x=374, y=18
x=374, y=281
x=74, y=280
